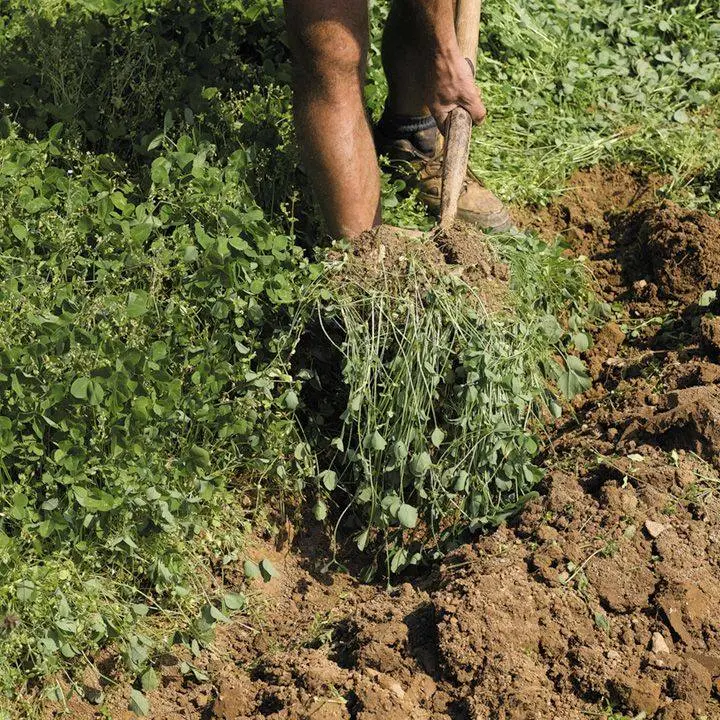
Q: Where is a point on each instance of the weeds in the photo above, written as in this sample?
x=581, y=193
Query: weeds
x=436, y=437
x=154, y=284
x=139, y=375
x=574, y=84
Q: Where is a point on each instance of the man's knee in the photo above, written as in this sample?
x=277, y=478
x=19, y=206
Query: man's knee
x=328, y=38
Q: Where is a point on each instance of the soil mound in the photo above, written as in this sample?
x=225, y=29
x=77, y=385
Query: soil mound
x=644, y=251
x=384, y=257
x=683, y=250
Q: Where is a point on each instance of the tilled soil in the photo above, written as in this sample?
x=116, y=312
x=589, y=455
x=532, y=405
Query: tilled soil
x=384, y=258
x=604, y=594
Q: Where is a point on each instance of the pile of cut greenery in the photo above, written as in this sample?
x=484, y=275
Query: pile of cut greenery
x=442, y=386
x=156, y=277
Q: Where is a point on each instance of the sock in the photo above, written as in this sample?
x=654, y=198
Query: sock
x=420, y=130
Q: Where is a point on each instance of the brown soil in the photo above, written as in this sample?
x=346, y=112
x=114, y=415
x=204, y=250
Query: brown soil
x=605, y=591
x=647, y=253
x=384, y=256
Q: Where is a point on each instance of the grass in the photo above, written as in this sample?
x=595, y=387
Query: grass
x=157, y=273
x=571, y=84
x=443, y=396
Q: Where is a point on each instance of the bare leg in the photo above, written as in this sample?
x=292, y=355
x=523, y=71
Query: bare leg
x=329, y=40
x=425, y=70
x=406, y=131
x=403, y=50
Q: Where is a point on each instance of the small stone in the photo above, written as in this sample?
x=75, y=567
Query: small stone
x=93, y=695
x=613, y=655
x=656, y=661
x=612, y=433
x=655, y=529
x=387, y=682
x=659, y=645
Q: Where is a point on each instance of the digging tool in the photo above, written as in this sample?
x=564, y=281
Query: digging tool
x=459, y=123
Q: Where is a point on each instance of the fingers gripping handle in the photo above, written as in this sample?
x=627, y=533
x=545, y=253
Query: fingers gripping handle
x=459, y=123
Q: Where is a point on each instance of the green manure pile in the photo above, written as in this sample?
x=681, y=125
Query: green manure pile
x=448, y=350
x=183, y=361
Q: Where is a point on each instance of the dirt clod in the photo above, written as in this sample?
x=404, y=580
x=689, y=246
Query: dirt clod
x=655, y=529
x=386, y=254
x=683, y=247
x=710, y=336
x=639, y=694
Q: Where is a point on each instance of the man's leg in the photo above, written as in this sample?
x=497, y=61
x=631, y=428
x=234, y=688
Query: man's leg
x=329, y=41
x=403, y=55
x=407, y=131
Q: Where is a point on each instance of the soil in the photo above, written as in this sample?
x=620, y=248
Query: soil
x=604, y=593
x=386, y=255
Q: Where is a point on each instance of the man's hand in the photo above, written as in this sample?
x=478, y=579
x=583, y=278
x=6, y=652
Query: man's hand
x=451, y=83
x=448, y=78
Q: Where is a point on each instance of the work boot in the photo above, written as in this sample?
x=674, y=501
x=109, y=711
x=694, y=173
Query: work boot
x=414, y=147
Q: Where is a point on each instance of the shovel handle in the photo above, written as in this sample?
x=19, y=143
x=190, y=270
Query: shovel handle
x=458, y=128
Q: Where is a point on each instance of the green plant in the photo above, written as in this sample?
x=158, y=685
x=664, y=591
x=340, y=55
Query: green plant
x=437, y=435
x=142, y=372
x=574, y=84
x=153, y=289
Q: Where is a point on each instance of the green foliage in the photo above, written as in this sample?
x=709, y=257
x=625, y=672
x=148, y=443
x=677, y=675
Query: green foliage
x=569, y=84
x=153, y=287
x=141, y=368
x=437, y=432
x=110, y=69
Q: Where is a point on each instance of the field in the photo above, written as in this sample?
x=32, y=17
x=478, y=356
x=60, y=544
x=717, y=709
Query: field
x=248, y=473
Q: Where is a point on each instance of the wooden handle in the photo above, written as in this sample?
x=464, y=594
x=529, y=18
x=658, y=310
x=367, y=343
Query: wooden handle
x=458, y=128
x=467, y=27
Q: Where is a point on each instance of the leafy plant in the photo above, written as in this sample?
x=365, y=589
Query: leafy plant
x=141, y=370
x=437, y=435
x=153, y=287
